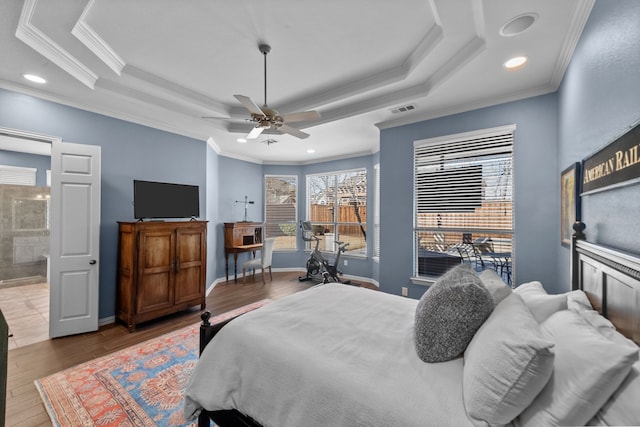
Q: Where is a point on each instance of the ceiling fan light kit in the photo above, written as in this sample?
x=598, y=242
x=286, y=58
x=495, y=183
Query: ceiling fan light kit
x=268, y=118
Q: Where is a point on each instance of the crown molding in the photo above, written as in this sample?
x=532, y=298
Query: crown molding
x=176, y=93
x=88, y=37
x=434, y=114
x=433, y=36
x=579, y=20
x=213, y=145
x=38, y=41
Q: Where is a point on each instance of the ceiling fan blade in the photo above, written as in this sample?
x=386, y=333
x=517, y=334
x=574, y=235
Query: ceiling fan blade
x=293, y=131
x=255, y=132
x=249, y=105
x=301, y=116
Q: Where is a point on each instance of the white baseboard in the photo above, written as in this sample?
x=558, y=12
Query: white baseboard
x=106, y=320
x=300, y=270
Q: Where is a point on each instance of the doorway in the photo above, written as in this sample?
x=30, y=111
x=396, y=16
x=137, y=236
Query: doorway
x=25, y=163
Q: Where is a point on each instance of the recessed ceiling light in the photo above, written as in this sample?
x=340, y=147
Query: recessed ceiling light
x=518, y=25
x=34, y=78
x=515, y=62
x=241, y=140
x=311, y=151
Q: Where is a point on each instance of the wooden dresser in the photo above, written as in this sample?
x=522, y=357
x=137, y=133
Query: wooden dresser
x=240, y=237
x=161, y=269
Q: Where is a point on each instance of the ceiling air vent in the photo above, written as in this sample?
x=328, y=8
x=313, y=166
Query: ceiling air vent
x=403, y=109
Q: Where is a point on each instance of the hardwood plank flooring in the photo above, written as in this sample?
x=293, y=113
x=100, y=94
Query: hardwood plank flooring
x=26, y=364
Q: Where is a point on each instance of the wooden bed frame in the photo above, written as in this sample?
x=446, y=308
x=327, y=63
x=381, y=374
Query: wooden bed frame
x=611, y=280
x=609, y=277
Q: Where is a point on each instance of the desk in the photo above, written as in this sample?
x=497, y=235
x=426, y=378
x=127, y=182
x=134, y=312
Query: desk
x=240, y=237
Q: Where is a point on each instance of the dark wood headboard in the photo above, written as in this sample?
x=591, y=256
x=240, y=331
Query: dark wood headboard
x=611, y=280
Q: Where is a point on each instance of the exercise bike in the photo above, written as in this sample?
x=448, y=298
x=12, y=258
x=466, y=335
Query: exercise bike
x=318, y=267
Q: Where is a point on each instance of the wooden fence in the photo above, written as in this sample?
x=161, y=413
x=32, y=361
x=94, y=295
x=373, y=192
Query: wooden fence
x=346, y=214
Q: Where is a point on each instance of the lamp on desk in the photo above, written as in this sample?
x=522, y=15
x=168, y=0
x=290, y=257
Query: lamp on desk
x=246, y=205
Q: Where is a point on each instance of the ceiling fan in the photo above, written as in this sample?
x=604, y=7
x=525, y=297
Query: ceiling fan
x=268, y=118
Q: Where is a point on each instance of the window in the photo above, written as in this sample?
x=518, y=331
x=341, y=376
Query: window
x=281, y=193
x=376, y=214
x=463, y=198
x=337, y=209
x=16, y=175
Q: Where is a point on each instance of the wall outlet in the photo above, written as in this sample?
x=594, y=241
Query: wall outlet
x=405, y=291
x=346, y=262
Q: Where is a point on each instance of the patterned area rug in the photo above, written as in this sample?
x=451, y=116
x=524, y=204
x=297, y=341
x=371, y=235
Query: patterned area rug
x=141, y=385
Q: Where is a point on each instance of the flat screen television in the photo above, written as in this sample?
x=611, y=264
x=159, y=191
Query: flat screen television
x=165, y=200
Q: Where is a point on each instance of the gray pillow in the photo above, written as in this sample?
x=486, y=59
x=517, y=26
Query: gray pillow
x=449, y=314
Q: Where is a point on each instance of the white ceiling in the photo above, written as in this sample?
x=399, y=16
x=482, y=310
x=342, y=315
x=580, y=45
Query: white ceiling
x=167, y=63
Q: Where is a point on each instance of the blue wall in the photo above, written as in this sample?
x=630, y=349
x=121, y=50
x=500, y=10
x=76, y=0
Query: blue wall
x=599, y=101
x=537, y=226
x=129, y=151
x=239, y=178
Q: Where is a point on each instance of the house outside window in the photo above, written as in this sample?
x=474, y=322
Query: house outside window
x=281, y=195
x=337, y=209
x=463, y=202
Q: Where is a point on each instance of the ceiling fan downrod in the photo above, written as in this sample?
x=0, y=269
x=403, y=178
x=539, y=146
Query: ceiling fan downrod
x=264, y=49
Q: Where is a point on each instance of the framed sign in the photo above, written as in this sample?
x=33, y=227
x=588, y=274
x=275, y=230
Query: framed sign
x=615, y=165
x=569, y=201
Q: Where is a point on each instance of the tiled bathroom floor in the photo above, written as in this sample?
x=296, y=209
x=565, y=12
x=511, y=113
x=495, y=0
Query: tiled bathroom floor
x=26, y=309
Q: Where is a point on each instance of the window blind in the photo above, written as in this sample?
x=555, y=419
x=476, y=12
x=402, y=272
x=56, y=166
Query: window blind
x=17, y=175
x=463, y=187
x=281, y=210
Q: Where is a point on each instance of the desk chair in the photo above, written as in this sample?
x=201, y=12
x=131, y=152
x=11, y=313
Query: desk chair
x=263, y=262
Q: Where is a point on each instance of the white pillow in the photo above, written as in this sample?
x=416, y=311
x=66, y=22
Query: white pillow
x=600, y=323
x=541, y=304
x=506, y=364
x=622, y=408
x=588, y=368
x=498, y=289
x=578, y=300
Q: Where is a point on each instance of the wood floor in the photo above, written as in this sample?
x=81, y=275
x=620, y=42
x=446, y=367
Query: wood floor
x=26, y=364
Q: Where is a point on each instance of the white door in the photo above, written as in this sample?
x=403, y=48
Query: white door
x=75, y=238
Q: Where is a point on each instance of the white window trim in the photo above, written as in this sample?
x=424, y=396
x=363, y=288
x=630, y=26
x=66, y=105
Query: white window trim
x=376, y=213
x=295, y=177
x=307, y=213
x=487, y=133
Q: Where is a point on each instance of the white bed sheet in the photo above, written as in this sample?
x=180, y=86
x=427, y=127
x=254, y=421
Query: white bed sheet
x=333, y=355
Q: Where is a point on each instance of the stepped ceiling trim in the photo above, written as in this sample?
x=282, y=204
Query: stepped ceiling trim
x=434, y=72
x=83, y=32
x=38, y=41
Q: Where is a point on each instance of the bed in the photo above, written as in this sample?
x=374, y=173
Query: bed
x=345, y=356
